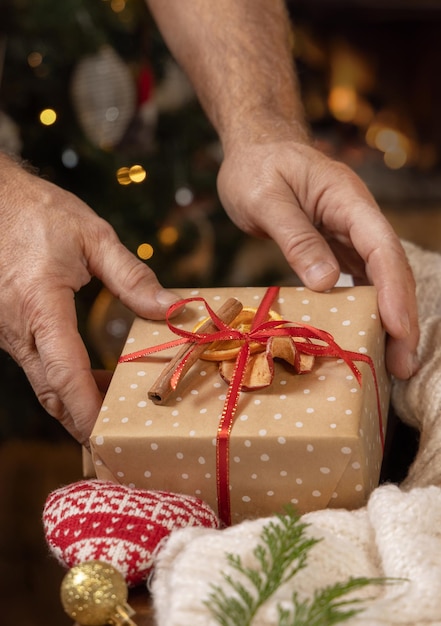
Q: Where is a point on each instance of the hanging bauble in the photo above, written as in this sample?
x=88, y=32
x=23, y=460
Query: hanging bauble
x=94, y=594
x=104, y=97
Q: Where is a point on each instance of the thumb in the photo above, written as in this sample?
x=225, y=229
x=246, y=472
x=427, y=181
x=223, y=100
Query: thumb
x=128, y=278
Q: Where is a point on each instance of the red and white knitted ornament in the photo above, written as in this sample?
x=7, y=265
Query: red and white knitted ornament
x=100, y=520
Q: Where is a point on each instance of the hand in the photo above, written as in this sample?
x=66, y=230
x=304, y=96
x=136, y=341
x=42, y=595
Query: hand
x=325, y=221
x=52, y=243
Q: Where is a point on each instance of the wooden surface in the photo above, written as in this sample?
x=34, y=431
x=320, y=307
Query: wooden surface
x=140, y=601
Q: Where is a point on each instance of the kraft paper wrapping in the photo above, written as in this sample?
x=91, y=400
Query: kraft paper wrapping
x=312, y=440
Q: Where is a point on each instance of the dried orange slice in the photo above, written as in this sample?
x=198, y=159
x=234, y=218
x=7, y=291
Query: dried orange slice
x=229, y=349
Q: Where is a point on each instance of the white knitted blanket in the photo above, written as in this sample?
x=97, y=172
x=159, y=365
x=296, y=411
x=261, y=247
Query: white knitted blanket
x=398, y=533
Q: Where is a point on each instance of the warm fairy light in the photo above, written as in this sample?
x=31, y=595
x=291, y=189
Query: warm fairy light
x=144, y=251
x=342, y=103
x=396, y=158
x=123, y=176
x=395, y=145
x=133, y=174
x=168, y=235
x=118, y=6
x=48, y=117
x=35, y=59
x=387, y=139
x=371, y=134
x=397, y=148
x=137, y=174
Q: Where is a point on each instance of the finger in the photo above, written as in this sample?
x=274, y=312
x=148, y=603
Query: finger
x=388, y=269
x=128, y=278
x=401, y=358
x=303, y=246
x=61, y=375
x=356, y=220
x=51, y=402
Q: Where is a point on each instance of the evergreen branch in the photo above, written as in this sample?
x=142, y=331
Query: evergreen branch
x=281, y=554
x=327, y=606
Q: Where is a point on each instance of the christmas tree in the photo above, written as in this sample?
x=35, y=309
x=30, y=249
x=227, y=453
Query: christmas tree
x=91, y=97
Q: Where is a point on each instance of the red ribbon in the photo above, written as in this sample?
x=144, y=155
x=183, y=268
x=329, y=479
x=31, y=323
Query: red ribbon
x=319, y=343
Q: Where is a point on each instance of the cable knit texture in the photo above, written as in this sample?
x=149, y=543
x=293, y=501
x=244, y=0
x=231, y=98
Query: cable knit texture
x=396, y=535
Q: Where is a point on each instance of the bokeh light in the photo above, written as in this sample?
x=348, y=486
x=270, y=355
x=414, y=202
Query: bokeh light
x=168, y=235
x=118, y=6
x=48, y=117
x=123, y=176
x=398, y=150
x=134, y=174
x=184, y=196
x=35, y=59
x=137, y=174
x=144, y=251
x=342, y=103
x=69, y=158
x=396, y=158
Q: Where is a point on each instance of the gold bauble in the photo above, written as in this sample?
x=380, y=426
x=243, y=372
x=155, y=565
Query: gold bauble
x=95, y=593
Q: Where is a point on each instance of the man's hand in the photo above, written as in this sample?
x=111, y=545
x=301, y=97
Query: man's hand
x=52, y=243
x=239, y=57
x=324, y=220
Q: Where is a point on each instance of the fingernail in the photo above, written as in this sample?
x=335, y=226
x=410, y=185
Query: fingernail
x=166, y=298
x=319, y=272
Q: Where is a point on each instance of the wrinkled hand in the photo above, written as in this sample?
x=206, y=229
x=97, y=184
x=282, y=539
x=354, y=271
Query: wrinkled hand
x=52, y=243
x=325, y=221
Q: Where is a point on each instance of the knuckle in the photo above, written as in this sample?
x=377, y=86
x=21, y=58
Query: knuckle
x=50, y=402
x=137, y=272
x=104, y=229
x=300, y=246
x=58, y=375
x=102, y=232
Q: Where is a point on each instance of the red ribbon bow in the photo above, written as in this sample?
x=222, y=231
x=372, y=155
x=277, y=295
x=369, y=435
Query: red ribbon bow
x=319, y=343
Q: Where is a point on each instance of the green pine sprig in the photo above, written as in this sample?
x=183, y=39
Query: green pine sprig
x=326, y=606
x=281, y=553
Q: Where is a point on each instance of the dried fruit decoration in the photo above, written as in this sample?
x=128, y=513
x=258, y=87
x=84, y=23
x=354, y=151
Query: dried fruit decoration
x=260, y=367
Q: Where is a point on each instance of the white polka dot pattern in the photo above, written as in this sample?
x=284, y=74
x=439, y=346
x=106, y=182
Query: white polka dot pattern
x=317, y=444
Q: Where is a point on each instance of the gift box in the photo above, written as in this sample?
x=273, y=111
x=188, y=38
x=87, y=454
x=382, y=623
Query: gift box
x=312, y=439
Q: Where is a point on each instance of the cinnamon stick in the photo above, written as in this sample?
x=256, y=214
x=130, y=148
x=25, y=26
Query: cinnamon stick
x=161, y=389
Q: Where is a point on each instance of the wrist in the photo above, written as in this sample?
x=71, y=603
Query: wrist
x=264, y=127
